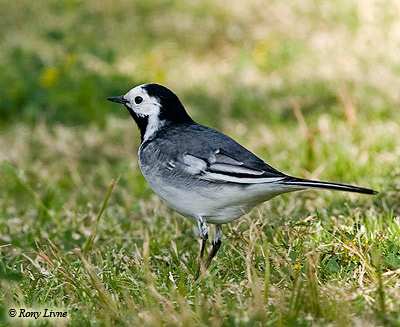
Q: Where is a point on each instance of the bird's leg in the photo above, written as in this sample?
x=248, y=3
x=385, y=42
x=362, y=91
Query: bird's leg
x=204, y=236
x=216, y=244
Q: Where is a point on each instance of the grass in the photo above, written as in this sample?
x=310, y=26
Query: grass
x=311, y=258
x=299, y=84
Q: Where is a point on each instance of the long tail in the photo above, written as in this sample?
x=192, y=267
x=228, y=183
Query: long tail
x=301, y=183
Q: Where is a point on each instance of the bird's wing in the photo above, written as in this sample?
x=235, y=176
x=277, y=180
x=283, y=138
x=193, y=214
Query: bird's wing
x=222, y=167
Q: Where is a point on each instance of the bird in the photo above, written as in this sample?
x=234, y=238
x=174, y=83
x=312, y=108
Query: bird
x=200, y=172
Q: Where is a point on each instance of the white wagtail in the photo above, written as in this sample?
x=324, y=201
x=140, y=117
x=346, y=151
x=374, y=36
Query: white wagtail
x=199, y=172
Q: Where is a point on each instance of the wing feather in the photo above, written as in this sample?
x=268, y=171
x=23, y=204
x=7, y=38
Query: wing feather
x=222, y=167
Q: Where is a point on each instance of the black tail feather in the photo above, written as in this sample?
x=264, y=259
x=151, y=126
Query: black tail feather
x=307, y=183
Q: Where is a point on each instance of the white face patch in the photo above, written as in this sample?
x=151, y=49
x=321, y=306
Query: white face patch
x=141, y=103
x=144, y=105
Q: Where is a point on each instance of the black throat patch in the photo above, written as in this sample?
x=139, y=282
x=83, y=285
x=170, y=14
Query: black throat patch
x=141, y=122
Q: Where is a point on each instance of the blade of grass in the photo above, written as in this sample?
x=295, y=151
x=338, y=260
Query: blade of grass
x=90, y=240
x=104, y=296
x=267, y=274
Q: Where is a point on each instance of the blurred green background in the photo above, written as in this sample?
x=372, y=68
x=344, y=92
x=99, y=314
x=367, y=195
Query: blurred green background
x=311, y=86
x=248, y=61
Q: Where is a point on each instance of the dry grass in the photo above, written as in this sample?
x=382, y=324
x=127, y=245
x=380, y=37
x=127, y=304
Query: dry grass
x=311, y=87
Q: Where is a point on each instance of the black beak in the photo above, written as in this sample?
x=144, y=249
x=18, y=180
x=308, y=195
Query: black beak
x=119, y=99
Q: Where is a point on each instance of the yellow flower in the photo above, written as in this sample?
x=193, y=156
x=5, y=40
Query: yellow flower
x=49, y=77
x=261, y=51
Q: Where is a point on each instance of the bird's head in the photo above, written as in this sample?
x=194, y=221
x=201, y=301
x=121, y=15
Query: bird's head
x=153, y=106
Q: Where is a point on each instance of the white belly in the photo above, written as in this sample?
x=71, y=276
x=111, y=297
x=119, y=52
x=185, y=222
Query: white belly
x=217, y=203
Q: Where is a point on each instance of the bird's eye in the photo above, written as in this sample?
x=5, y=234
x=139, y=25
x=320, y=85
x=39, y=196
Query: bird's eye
x=138, y=99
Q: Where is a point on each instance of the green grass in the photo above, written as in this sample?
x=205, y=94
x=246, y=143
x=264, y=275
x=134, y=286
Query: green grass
x=299, y=84
x=332, y=258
